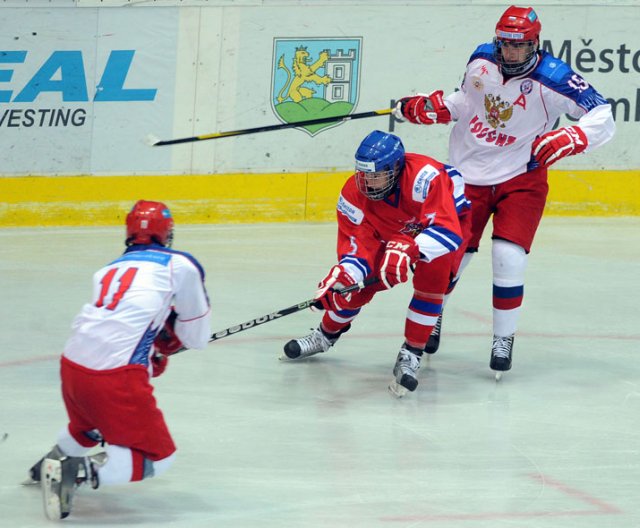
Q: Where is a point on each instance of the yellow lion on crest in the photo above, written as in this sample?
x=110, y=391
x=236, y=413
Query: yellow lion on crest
x=302, y=73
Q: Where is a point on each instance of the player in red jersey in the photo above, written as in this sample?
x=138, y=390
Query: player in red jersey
x=398, y=212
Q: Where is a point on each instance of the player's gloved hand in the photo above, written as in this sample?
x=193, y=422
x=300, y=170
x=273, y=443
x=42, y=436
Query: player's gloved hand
x=557, y=144
x=326, y=296
x=167, y=342
x=400, y=253
x=423, y=109
x=159, y=364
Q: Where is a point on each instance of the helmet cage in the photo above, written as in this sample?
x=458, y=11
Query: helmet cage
x=379, y=162
x=515, y=68
x=377, y=185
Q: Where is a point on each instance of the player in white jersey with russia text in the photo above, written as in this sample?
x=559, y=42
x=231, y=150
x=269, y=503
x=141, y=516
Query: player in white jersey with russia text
x=146, y=305
x=511, y=96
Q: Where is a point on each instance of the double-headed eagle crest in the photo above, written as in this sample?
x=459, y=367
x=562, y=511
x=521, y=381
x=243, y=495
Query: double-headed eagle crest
x=497, y=110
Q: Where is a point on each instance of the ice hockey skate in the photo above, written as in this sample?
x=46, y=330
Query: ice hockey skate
x=434, y=338
x=501, y=352
x=60, y=477
x=33, y=478
x=34, y=473
x=314, y=343
x=405, y=371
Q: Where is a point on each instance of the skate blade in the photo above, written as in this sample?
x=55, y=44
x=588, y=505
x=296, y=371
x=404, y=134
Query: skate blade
x=285, y=358
x=51, y=471
x=396, y=389
x=498, y=375
x=30, y=482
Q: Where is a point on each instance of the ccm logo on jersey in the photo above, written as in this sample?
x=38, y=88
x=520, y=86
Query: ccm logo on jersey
x=400, y=246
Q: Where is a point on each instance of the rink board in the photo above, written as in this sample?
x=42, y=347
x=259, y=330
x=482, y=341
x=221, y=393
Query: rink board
x=250, y=198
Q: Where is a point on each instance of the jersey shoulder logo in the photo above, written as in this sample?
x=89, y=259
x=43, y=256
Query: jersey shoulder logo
x=352, y=212
x=422, y=181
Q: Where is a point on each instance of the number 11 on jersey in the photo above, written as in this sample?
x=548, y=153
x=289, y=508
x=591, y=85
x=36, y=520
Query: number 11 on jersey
x=125, y=281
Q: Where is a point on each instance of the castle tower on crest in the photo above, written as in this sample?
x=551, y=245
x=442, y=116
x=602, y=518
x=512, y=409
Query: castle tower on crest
x=339, y=68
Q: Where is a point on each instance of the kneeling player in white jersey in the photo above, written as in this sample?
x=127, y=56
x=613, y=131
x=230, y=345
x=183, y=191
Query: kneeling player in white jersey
x=397, y=212
x=511, y=96
x=147, y=304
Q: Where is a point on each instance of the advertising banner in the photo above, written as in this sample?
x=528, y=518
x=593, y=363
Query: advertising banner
x=79, y=88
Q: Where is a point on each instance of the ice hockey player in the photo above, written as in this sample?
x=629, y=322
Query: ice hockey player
x=503, y=141
x=147, y=304
x=398, y=212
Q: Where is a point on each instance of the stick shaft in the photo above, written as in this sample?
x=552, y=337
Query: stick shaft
x=269, y=128
x=281, y=313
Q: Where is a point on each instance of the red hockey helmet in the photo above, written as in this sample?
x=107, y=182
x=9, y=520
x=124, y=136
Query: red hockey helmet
x=149, y=222
x=518, y=27
x=519, y=24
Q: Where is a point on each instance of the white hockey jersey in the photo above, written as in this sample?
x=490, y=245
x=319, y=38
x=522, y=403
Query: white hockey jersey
x=132, y=297
x=496, y=122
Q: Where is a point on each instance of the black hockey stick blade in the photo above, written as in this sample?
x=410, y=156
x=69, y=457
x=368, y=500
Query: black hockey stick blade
x=155, y=142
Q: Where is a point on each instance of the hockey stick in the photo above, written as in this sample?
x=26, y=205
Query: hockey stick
x=286, y=311
x=155, y=142
x=281, y=313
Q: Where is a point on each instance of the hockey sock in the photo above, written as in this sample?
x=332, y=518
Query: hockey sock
x=466, y=258
x=422, y=316
x=333, y=323
x=416, y=351
x=119, y=467
x=129, y=465
x=74, y=446
x=509, y=264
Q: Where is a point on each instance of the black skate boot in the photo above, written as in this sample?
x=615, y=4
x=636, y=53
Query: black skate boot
x=406, y=371
x=314, y=343
x=434, y=338
x=501, y=354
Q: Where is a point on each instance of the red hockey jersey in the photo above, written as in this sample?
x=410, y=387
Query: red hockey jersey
x=425, y=206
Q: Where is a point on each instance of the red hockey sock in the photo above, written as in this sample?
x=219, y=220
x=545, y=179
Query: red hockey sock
x=422, y=315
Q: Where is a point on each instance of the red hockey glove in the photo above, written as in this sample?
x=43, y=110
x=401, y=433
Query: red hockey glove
x=326, y=295
x=159, y=364
x=399, y=255
x=167, y=342
x=557, y=144
x=423, y=109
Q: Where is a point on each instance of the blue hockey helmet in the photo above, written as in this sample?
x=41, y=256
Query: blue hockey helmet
x=379, y=162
